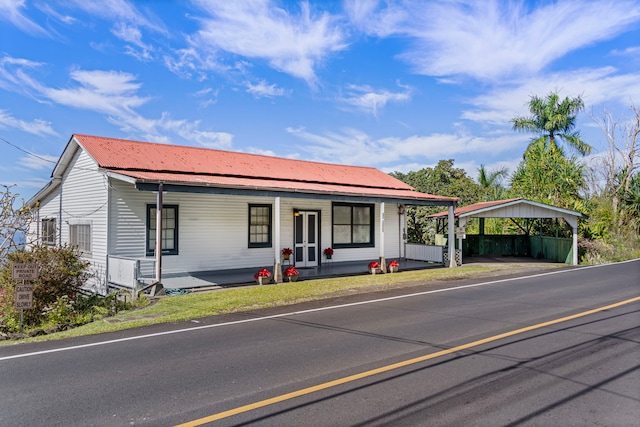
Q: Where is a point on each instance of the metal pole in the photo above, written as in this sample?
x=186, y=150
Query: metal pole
x=159, y=235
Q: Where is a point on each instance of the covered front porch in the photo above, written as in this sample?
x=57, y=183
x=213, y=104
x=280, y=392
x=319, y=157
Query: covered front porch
x=220, y=279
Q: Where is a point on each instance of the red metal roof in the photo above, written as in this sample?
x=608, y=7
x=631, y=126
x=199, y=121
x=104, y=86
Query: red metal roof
x=153, y=162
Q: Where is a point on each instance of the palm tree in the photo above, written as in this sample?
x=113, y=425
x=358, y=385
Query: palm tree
x=491, y=182
x=552, y=119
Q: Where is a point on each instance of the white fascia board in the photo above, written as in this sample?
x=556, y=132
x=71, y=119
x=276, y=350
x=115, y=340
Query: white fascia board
x=558, y=212
x=120, y=177
x=49, y=188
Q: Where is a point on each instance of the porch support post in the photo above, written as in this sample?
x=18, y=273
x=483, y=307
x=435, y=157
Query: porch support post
x=277, y=267
x=461, y=223
x=451, y=243
x=158, y=249
x=383, y=262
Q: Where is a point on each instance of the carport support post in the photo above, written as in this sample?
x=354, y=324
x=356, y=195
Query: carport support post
x=451, y=243
x=573, y=222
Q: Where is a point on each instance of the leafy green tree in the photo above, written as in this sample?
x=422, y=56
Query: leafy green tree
x=631, y=203
x=548, y=176
x=444, y=180
x=552, y=119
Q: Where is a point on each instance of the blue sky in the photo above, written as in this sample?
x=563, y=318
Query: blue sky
x=397, y=85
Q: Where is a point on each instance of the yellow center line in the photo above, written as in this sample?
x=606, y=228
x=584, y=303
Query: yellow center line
x=387, y=368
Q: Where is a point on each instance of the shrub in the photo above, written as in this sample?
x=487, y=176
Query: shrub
x=62, y=274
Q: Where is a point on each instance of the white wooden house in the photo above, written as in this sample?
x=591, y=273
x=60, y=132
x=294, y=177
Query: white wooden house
x=219, y=210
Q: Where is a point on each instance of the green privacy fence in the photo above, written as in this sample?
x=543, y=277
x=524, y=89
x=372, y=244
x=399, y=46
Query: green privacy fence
x=550, y=248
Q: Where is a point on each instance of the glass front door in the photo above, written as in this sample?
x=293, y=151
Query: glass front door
x=306, y=239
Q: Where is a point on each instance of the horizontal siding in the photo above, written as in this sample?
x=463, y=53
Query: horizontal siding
x=213, y=229
x=84, y=200
x=49, y=208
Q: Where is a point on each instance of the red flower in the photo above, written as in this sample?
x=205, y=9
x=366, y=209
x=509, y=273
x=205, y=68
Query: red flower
x=394, y=264
x=374, y=264
x=262, y=273
x=290, y=271
x=287, y=251
x=328, y=251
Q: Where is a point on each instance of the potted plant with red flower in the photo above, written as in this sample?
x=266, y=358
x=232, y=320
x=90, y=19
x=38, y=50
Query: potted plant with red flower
x=286, y=253
x=263, y=277
x=393, y=266
x=328, y=253
x=291, y=274
x=374, y=267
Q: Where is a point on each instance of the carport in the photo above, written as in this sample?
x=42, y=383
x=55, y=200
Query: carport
x=552, y=248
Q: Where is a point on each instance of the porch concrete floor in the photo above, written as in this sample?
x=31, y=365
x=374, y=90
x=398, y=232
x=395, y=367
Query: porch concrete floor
x=241, y=277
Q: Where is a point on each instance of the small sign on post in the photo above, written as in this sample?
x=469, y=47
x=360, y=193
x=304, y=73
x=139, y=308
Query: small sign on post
x=24, y=296
x=24, y=292
x=461, y=233
x=25, y=271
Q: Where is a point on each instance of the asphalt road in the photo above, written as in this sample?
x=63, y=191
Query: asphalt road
x=474, y=354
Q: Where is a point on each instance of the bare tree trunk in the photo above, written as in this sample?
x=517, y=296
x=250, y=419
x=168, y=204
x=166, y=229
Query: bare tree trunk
x=14, y=222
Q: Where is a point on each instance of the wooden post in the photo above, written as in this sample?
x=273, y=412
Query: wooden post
x=159, y=234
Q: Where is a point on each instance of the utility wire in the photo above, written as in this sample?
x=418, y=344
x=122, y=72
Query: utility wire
x=26, y=152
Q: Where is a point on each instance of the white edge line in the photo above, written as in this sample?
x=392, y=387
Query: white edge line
x=293, y=313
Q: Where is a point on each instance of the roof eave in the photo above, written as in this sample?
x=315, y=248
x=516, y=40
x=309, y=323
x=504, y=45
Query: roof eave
x=152, y=185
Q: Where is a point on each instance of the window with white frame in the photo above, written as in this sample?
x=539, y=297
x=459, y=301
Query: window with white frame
x=48, y=231
x=80, y=237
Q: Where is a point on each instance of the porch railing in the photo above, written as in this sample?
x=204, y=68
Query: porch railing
x=429, y=253
x=129, y=272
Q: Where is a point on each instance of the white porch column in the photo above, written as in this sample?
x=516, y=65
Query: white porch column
x=451, y=238
x=461, y=223
x=383, y=262
x=277, y=267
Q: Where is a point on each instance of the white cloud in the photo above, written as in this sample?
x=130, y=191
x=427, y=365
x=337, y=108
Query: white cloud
x=291, y=43
x=39, y=162
x=109, y=92
x=490, y=40
x=352, y=146
x=37, y=127
x=264, y=90
x=12, y=11
x=370, y=100
x=112, y=93
x=191, y=63
x=13, y=73
x=133, y=35
x=120, y=11
x=596, y=86
x=127, y=23
x=372, y=17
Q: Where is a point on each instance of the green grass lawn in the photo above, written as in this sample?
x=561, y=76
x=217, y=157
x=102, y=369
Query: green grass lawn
x=205, y=304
